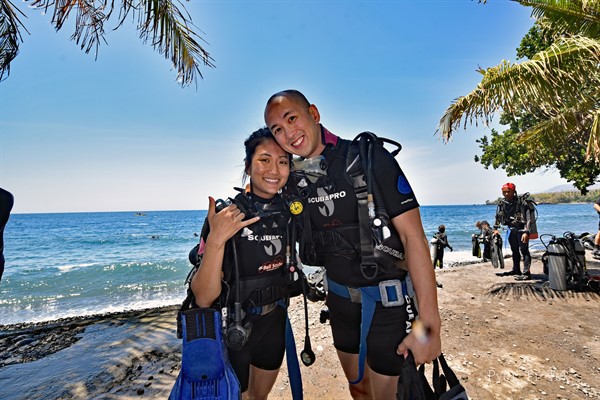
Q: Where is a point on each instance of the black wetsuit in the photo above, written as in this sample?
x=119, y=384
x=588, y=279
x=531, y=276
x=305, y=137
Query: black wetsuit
x=260, y=251
x=513, y=215
x=440, y=245
x=6, y=204
x=332, y=205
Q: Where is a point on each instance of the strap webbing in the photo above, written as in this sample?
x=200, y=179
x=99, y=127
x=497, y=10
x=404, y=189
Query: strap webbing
x=292, y=361
x=367, y=312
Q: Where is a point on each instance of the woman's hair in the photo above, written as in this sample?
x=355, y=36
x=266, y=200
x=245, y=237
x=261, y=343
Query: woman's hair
x=254, y=140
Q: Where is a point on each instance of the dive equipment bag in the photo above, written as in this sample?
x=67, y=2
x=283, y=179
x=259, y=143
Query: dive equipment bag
x=414, y=385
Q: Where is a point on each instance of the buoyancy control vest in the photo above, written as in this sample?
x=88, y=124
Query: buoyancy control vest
x=521, y=214
x=364, y=232
x=263, y=276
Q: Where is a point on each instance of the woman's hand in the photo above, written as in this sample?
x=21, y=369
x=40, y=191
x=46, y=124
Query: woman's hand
x=226, y=223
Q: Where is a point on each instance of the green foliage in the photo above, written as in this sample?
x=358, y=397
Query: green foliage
x=539, y=37
x=509, y=152
x=551, y=101
x=504, y=151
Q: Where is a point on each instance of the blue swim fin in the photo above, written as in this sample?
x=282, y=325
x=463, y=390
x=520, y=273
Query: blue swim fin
x=206, y=373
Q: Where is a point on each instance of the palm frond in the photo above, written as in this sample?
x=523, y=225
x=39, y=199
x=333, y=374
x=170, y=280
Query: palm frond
x=579, y=17
x=10, y=35
x=552, y=79
x=161, y=22
x=89, y=21
x=567, y=130
x=170, y=32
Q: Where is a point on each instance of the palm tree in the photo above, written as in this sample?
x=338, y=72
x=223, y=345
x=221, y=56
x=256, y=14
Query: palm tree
x=163, y=23
x=560, y=84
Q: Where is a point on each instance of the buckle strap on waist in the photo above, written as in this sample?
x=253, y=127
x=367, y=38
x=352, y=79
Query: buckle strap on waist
x=390, y=293
x=267, y=308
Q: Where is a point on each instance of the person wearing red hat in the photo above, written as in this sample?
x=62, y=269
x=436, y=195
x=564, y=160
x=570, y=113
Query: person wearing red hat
x=513, y=214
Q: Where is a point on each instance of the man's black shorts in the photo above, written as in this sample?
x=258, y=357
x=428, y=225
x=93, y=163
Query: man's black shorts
x=387, y=331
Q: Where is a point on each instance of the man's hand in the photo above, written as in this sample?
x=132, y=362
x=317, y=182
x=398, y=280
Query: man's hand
x=423, y=341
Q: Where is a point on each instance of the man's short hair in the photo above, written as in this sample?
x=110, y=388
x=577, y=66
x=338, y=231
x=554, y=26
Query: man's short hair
x=292, y=94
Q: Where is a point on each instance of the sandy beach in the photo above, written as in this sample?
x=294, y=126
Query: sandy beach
x=505, y=340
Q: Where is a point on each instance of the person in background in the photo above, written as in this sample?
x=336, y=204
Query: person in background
x=261, y=248
x=333, y=213
x=485, y=237
x=596, y=251
x=6, y=204
x=513, y=214
x=441, y=243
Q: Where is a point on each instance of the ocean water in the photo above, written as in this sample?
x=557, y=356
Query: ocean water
x=63, y=265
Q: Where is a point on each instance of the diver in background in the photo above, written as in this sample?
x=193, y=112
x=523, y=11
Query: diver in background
x=513, y=213
x=441, y=244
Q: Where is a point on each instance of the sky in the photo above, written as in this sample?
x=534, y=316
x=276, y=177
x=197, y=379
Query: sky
x=118, y=133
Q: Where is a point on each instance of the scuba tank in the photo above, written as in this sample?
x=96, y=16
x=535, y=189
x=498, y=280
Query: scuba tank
x=580, y=252
x=433, y=246
x=476, y=249
x=556, y=265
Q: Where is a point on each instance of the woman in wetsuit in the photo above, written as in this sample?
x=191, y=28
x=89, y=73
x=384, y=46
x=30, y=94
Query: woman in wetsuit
x=260, y=244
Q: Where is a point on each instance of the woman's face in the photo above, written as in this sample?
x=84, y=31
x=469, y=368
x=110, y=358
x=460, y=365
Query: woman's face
x=269, y=169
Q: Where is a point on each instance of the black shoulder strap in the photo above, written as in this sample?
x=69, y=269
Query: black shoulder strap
x=372, y=215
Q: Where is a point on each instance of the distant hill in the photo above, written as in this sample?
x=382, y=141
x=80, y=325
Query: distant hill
x=569, y=188
x=560, y=196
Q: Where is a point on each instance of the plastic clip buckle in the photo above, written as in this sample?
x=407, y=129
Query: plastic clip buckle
x=355, y=295
x=391, y=293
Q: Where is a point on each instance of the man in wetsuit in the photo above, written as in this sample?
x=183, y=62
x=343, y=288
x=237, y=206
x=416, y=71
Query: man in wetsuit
x=513, y=214
x=333, y=205
x=6, y=204
x=441, y=244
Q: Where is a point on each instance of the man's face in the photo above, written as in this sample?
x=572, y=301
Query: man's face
x=508, y=194
x=295, y=126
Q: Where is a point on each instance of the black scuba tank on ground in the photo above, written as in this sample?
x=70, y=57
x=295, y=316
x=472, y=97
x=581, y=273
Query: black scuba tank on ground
x=475, y=247
x=564, y=262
